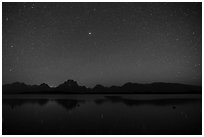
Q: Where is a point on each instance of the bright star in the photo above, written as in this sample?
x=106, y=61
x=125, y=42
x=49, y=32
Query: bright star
x=90, y=33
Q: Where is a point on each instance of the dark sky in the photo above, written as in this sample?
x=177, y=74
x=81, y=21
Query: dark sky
x=102, y=43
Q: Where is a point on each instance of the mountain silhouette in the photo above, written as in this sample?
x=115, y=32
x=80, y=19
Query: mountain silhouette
x=72, y=87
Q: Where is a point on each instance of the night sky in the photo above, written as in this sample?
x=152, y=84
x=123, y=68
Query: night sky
x=102, y=43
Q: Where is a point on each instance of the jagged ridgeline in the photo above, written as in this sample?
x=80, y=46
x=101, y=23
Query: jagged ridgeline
x=72, y=87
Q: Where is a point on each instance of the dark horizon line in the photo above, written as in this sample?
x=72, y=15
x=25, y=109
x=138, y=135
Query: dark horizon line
x=101, y=84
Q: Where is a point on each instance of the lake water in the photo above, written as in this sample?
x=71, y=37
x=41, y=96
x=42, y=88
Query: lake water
x=102, y=114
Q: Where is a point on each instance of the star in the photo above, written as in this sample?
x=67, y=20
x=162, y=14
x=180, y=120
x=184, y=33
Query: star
x=33, y=6
x=124, y=20
x=10, y=69
x=196, y=65
x=90, y=33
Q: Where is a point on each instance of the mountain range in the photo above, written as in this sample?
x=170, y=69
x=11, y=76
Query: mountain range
x=72, y=87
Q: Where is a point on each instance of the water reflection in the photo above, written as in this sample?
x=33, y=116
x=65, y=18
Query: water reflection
x=137, y=102
x=13, y=103
x=102, y=114
x=68, y=104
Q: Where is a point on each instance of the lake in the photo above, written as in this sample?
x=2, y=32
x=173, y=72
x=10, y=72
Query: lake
x=104, y=114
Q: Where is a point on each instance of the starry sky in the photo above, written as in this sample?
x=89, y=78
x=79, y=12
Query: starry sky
x=102, y=43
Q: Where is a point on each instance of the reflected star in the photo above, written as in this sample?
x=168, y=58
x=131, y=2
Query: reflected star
x=101, y=115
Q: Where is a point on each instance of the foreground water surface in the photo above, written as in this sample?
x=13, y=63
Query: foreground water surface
x=102, y=114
